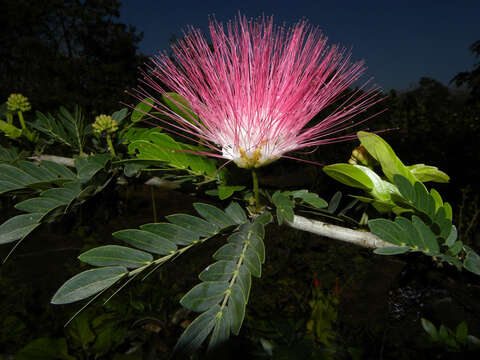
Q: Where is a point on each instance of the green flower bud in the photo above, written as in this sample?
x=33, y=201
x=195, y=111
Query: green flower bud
x=104, y=123
x=360, y=156
x=18, y=102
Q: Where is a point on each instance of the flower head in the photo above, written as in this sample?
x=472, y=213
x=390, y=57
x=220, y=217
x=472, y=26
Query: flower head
x=18, y=102
x=104, y=123
x=255, y=88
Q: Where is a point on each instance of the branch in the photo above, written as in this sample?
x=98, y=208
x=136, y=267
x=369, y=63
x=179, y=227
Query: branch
x=53, y=158
x=360, y=238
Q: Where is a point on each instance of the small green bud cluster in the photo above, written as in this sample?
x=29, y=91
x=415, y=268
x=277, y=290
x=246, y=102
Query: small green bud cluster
x=104, y=123
x=18, y=102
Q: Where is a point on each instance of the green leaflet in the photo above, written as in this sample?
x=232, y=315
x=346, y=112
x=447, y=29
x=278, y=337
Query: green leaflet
x=180, y=106
x=384, y=154
x=8, y=155
x=409, y=232
x=222, y=270
x=89, y=167
x=64, y=194
x=428, y=239
x=225, y=191
x=214, y=215
x=472, y=262
x=237, y=307
x=18, y=227
x=39, y=205
x=88, y=283
x=39, y=172
x=236, y=212
x=334, y=202
x=110, y=255
x=194, y=224
x=16, y=176
x=142, y=108
x=146, y=240
x=310, y=198
x=350, y=175
x=387, y=230
x=424, y=173
x=284, y=205
x=430, y=328
x=196, y=333
x=452, y=237
x=204, y=295
x=172, y=232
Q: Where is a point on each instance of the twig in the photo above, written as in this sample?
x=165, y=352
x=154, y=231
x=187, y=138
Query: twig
x=360, y=238
x=56, y=159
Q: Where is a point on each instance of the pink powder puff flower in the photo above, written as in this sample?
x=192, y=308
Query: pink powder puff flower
x=256, y=87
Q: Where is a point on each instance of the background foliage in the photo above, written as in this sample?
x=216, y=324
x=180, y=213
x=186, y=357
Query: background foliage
x=67, y=52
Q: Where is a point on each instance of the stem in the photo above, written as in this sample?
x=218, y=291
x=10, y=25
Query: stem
x=164, y=258
x=22, y=121
x=110, y=145
x=10, y=118
x=255, y=189
x=360, y=238
x=56, y=159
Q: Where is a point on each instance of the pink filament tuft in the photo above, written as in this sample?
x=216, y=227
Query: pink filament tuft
x=257, y=86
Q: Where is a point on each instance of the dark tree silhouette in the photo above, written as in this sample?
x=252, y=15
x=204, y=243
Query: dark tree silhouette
x=471, y=79
x=67, y=52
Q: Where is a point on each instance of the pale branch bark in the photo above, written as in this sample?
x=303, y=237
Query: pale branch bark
x=56, y=159
x=360, y=238
x=162, y=184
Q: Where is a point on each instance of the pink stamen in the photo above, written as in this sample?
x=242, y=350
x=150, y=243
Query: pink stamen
x=256, y=86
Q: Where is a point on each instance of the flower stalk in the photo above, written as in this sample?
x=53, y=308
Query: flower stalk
x=256, y=190
x=110, y=145
x=22, y=120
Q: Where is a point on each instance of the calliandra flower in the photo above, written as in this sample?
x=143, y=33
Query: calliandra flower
x=255, y=87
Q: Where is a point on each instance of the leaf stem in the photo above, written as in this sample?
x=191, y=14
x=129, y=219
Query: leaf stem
x=169, y=256
x=234, y=277
x=22, y=121
x=255, y=189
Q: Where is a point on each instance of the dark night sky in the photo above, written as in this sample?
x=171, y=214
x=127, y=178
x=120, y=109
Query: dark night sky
x=399, y=40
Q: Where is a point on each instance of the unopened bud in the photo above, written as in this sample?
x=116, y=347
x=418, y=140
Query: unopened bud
x=360, y=156
x=104, y=123
x=18, y=102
